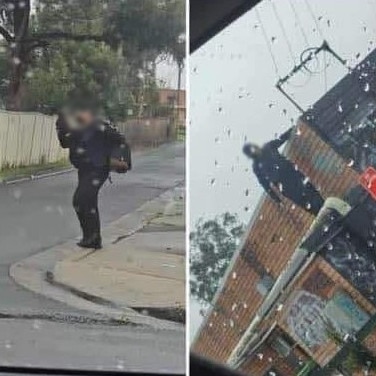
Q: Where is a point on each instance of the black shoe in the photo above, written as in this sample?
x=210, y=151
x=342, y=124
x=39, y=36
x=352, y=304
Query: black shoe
x=89, y=243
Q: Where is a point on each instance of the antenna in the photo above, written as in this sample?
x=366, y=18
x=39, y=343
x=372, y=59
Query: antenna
x=314, y=51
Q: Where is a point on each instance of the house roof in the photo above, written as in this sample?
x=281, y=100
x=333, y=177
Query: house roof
x=334, y=114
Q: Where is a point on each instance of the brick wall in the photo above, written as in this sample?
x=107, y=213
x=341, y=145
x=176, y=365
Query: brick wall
x=271, y=240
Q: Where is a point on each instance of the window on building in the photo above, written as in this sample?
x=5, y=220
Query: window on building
x=345, y=314
x=282, y=345
x=265, y=284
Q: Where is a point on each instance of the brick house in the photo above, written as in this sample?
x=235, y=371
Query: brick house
x=296, y=293
x=175, y=99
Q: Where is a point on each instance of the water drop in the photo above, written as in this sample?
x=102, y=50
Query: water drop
x=8, y=345
x=37, y=324
x=17, y=193
x=120, y=365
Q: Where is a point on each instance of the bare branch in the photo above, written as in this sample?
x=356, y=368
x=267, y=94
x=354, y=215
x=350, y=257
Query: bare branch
x=60, y=35
x=6, y=34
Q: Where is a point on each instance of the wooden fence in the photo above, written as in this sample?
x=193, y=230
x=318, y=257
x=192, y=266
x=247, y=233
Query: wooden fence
x=28, y=138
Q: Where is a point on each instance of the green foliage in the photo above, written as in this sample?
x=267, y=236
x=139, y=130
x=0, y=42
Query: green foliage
x=147, y=28
x=48, y=86
x=74, y=16
x=213, y=244
x=94, y=50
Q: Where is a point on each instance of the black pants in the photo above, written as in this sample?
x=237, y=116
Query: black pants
x=85, y=200
x=303, y=194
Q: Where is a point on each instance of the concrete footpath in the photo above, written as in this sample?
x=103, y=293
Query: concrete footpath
x=140, y=272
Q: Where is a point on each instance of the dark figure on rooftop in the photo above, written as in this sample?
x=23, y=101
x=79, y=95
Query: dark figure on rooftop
x=276, y=173
x=90, y=143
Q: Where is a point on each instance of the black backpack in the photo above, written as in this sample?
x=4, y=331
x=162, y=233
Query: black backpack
x=120, y=156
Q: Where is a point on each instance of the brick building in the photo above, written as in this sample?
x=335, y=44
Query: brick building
x=301, y=291
x=176, y=100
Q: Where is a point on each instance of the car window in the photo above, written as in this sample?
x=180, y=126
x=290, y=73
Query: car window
x=281, y=190
x=92, y=185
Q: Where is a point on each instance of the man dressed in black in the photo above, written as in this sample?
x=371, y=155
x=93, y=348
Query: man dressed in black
x=90, y=143
x=275, y=172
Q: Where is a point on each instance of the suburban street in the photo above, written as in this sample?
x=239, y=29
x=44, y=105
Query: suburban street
x=36, y=215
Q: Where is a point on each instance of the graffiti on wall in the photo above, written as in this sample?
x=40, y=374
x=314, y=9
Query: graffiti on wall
x=312, y=319
x=306, y=319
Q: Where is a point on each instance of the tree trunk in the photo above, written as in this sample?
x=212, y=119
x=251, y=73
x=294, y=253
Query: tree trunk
x=18, y=67
x=19, y=54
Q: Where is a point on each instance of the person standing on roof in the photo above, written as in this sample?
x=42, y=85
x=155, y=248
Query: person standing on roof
x=276, y=173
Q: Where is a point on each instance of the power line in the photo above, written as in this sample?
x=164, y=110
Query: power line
x=372, y=6
x=312, y=13
x=299, y=23
x=267, y=42
x=283, y=31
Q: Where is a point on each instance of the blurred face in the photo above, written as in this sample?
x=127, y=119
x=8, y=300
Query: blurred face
x=84, y=118
x=251, y=150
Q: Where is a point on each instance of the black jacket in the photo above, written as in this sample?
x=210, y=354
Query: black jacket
x=272, y=168
x=90, y=147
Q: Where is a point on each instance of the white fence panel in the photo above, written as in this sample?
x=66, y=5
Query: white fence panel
x=28, y=138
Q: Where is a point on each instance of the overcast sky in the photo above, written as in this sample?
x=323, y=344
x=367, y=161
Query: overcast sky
x=167, y=73
x=233, y=96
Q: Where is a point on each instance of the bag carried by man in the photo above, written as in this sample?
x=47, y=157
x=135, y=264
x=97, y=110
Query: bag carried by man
x=120, y=156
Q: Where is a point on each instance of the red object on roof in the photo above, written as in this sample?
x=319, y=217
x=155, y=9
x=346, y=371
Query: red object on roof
x=368, y=181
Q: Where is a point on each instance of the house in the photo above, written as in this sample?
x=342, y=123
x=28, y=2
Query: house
x=175, y=100
x=300, y=293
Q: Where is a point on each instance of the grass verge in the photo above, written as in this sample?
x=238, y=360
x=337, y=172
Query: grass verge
x=26, y=171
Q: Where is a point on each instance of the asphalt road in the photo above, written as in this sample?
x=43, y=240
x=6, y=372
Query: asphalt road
x=36, y=215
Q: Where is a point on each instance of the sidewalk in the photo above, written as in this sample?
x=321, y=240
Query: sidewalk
x=141, y=267
x=144, y=271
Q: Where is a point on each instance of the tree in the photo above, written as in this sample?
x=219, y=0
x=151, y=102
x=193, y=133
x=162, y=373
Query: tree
x=141, y=30
x=84, y=74
x=145, y=31
x=23, y=38
x=213, y=244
